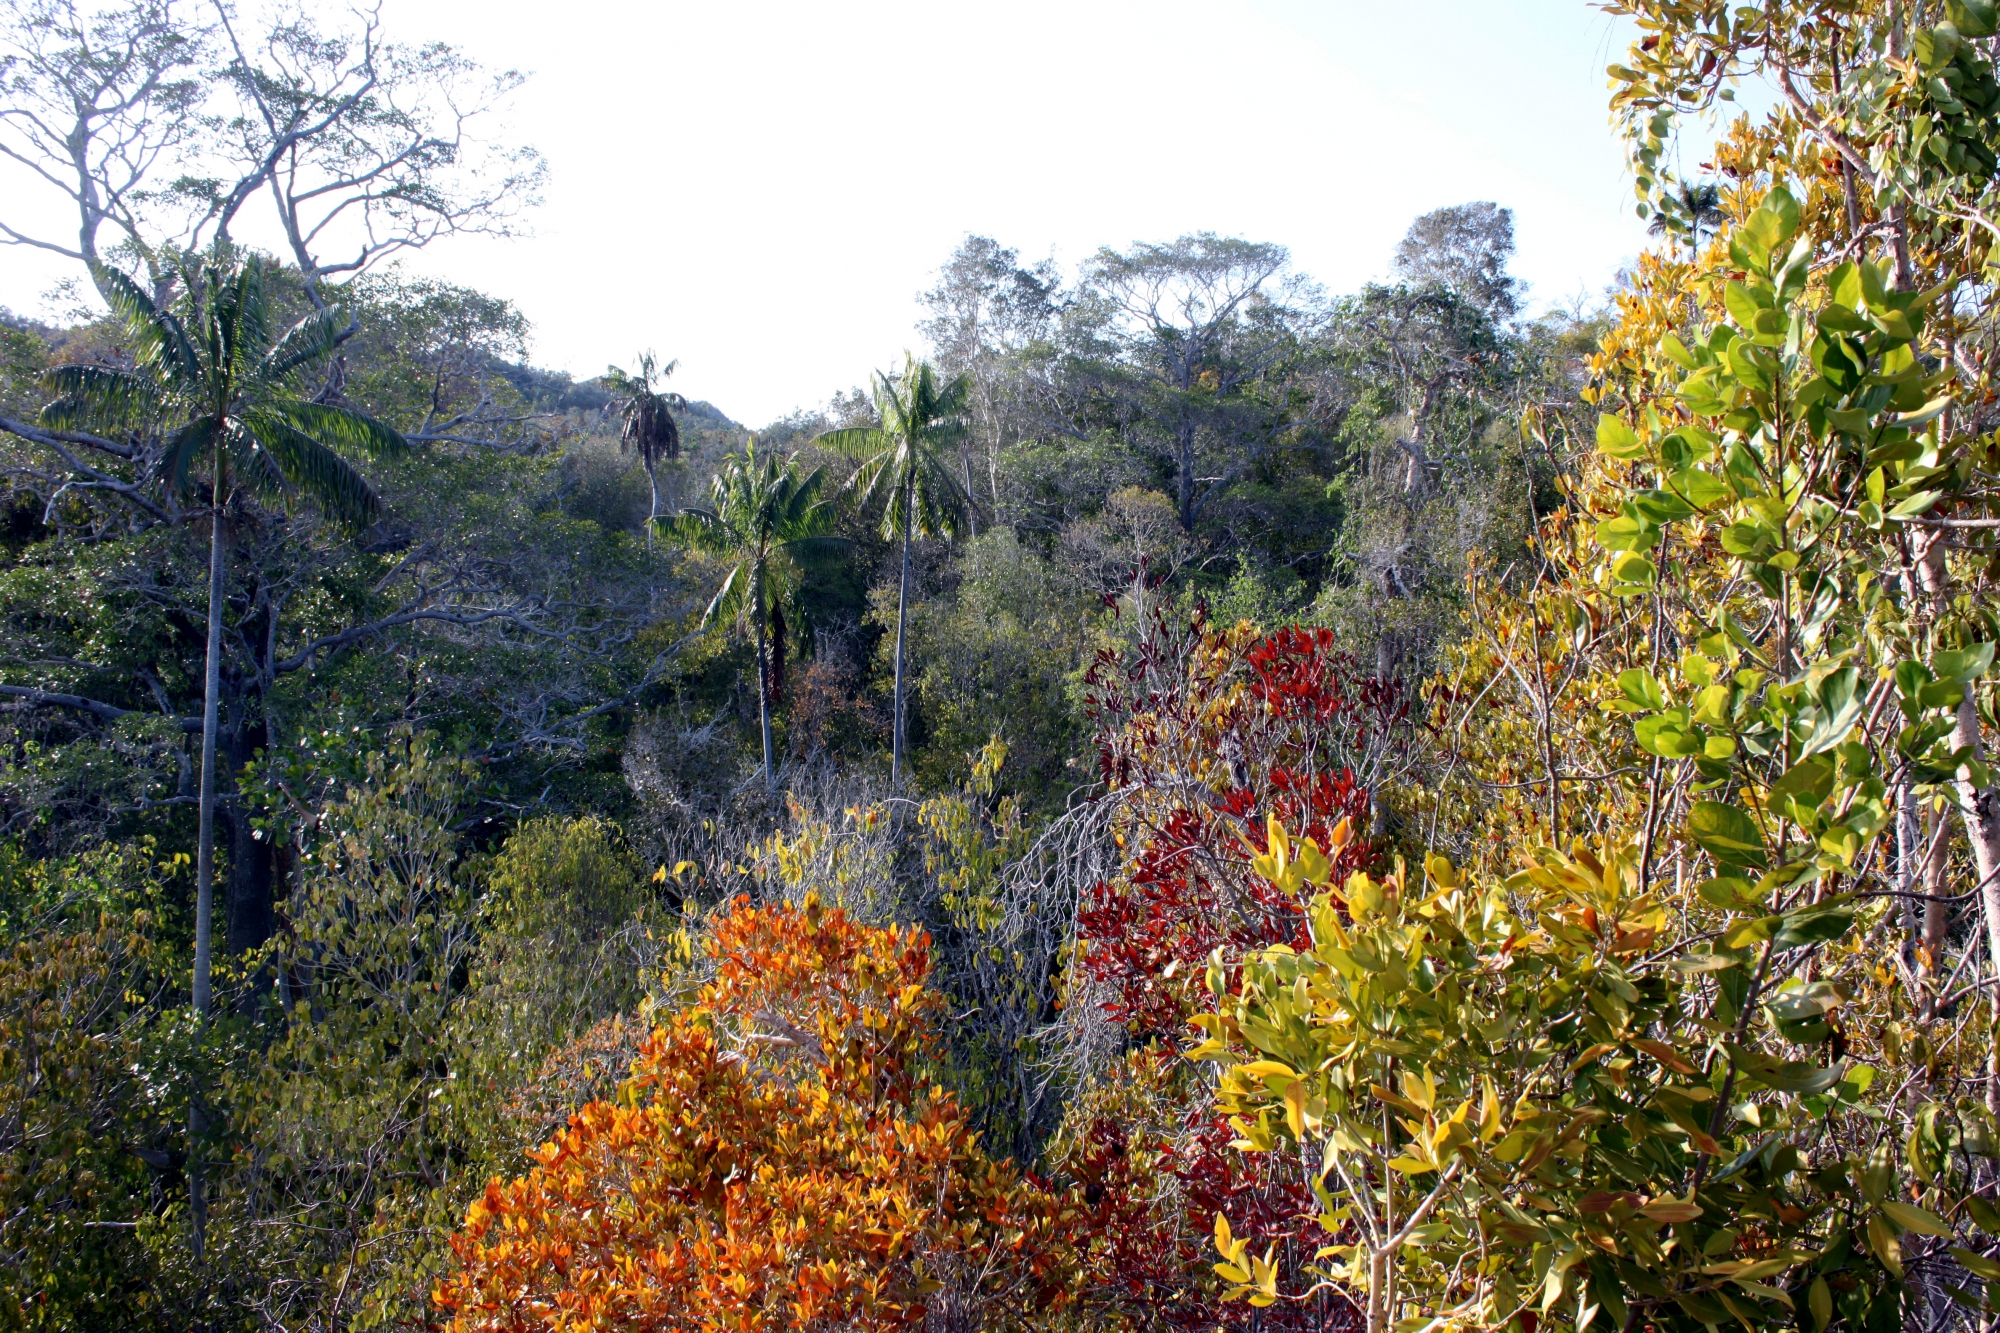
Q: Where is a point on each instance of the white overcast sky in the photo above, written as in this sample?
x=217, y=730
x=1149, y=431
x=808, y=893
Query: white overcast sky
x=761, y=187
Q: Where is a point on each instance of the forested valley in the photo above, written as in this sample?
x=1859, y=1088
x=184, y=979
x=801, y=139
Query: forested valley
x=1192, y=801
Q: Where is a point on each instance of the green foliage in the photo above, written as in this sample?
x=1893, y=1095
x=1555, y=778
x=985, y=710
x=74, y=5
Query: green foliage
x=1002, y=657
x=83, y=1130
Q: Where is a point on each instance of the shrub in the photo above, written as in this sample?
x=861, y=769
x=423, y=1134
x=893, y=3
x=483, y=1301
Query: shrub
x=777, y=1160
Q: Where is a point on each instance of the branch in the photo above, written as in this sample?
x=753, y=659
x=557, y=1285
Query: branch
x=347, y=638
x=41, y=435
x=58, y=441
x=38, y=698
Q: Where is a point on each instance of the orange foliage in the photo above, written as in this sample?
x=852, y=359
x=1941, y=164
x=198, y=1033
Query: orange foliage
x=776, y=1161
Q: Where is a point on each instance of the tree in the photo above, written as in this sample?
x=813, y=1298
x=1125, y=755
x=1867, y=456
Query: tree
x=1201, y=729
x=1691, y=206
x=987, y=311
x=769, y=520
x=95, y=103
x=226, y=394
x=1441, y=369
x=906, y=470
x=1676, y=1049
x=1177, y=339
x=1464, y=248
x=649, y=421
x=778, y=1160
x=365, y=148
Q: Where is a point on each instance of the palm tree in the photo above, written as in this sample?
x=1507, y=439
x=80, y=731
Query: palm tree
x=1698, y=204
x=649, y=421
x=906, y=466
x=225, y=397
x=771, y=522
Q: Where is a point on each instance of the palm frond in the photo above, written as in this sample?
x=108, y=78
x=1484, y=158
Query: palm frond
x=185, y=447
x=853, y=441
x=311, y=339
x=728, y=599
x=241, y=320
x=703, y=529
x=876, y=482
x=312, y=466
x=817, y=548
x=98, y=395
x=952, y=400
x=162, y=340
x=342, y=427
x=258, y=468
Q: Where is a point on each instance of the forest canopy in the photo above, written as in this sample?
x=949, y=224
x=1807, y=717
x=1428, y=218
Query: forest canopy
x=1191, y=801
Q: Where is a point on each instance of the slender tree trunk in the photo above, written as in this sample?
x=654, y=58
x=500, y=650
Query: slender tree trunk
x=204, y=907
x=902, y=619
x=971, y=505
x=764, y=704
x=653, y=514
x=1976, y=808
x=1184, y=484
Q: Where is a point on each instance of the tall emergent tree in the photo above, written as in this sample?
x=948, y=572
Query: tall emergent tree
x=1464, y=248
x=1195, y=327
x=649, y=421
x=906, y=468
x=223, y=396
x=155, y=123
x=771, y=522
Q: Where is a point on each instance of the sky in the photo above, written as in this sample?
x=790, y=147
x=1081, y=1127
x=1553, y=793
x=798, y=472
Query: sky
x=762, y=188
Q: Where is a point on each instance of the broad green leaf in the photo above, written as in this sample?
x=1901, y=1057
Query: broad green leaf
x=1634, y=571
x=1667, y=736
x=1813, y=925
x=1912, y=1218
x=1973, y=18
x=1662, y=506
x=1805, y=784
x=1703, y=490
x=1615, y=439
x=1977, y=1264
x=1727, y=833
x=1642, y=687
x=1727, y=892
x=1963, y=665
x=1625, y=533
x=1744, y=304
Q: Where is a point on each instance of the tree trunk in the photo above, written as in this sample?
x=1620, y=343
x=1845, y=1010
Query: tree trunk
x=249, y=898
x=1185, y=499
x=971, y=505
x=653, y=514
x=1976, y=807
x=204, y=904
x=764, y=704
x=902, y=619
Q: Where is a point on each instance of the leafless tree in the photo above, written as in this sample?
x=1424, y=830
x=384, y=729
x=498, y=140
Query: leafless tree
x=161, y=123
x=94, y=107
x=366, y=148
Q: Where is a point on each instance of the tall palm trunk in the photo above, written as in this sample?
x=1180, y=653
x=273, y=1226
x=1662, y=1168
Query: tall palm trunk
x=764, y=704
x=902, y=619
x=204, y=907
x=653, y=516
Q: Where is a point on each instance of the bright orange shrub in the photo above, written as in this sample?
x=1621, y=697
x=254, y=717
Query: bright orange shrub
x=776, y=1161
